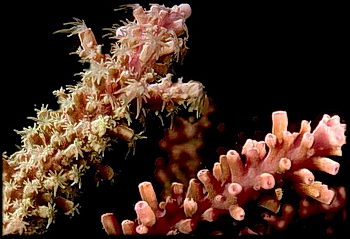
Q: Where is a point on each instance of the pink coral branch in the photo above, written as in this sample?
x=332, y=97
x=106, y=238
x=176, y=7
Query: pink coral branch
x=234, y=182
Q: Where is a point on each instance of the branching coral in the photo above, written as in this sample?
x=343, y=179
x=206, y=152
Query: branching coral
x=45, y=175
x=260, y=176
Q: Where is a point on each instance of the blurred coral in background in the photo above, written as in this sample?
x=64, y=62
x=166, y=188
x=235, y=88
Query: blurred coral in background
x=182, y=142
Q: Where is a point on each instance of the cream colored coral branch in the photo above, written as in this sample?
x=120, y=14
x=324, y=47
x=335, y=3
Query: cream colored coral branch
x=44, y=177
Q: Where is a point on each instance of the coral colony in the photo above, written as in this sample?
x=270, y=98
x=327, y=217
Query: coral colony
x=119, y=90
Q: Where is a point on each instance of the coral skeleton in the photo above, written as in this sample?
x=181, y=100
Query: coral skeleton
x=118, y=90
x=257, y=175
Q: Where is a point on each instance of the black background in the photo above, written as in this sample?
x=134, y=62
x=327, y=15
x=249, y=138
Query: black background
x=253, y=58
